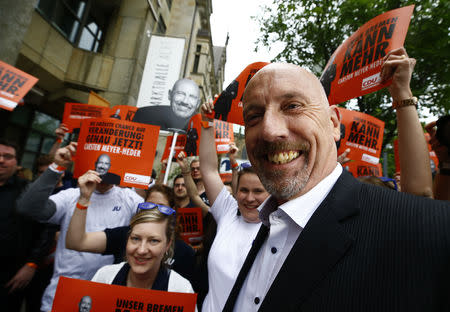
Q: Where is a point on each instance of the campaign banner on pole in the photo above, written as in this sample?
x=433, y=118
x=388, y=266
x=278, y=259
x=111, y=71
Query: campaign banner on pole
x=228, y=106
x=434, y=161
x=14, y=84
x=191, y=221
x=72, y=293
x=354, y=68
x=75, y=113
x=121, y=151
x=363, y=134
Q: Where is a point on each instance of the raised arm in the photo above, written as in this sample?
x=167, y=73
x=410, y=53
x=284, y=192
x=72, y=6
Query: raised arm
x=441, y=185
x=35, y=202
x=413, y=152
x=60, y=132
x=76, y=237
x=208, y=156
x=234, y=166
x=190, y=184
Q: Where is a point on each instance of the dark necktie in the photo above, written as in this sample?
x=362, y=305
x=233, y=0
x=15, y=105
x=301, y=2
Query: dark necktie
x=257, y=243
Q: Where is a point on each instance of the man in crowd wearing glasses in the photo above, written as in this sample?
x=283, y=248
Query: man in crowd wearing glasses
x=106, y=205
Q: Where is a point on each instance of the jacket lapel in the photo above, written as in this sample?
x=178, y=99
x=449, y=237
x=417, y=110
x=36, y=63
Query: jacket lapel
x=321, y=244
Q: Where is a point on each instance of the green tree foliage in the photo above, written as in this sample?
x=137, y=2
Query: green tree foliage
x=312, y=30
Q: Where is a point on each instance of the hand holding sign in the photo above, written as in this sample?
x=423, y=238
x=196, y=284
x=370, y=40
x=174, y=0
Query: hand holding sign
x=207, y=109
x=63, y=156
x=60, y=132
x=88, y=182
x=398, y=67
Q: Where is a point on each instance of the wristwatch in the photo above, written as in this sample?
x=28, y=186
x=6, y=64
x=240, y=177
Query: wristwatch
x=403, y=103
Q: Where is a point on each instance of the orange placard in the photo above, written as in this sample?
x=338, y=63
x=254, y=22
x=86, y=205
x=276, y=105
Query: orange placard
x=123, y=112
x=121, y=151
x=228, y=106
x=75, y=113
x=362, y=169
x=434, y=161
x=14, y=84
x=190, y=142
x=363, y=134
x=95, y=99
x=354, y=68
x=113, y=298
x=224, y=136
x=191, y=220
x=179, y=145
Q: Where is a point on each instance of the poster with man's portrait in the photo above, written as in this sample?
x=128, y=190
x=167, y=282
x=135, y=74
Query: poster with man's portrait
x=184, y=99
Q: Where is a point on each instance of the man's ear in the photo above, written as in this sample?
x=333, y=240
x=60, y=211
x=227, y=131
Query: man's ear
x=170, y=95
x=335, y=119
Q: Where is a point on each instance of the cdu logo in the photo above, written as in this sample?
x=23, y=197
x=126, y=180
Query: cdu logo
x=116, y=208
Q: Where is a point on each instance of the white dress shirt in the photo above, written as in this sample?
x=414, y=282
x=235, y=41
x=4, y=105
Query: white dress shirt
x=286, y=224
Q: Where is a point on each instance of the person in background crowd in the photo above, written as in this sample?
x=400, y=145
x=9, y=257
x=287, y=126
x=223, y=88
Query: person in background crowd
x=346, y=245
x=441, y=186
x=182, y=199
x=197, y=177
x=108, y=206
x=24, y=242
x=237, y=218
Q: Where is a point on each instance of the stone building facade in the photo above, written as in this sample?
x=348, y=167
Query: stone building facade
x=75, y=47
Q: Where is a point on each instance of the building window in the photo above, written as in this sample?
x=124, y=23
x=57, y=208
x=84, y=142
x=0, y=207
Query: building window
x=197, y=58
x=31, y=129
x=161, y=26
x=77, y=21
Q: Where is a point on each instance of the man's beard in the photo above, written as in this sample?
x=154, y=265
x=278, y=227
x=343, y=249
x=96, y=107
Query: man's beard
x=284, y=188
x=275, y=181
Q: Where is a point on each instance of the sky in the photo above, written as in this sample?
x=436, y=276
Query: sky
x=234, y=17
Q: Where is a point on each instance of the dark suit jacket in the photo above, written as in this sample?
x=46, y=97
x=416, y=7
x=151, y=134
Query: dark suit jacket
x=367, y=248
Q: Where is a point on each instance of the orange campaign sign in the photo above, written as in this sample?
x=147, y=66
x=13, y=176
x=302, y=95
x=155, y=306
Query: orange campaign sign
x=190, y=142
x=228, y=106
x=75, y=113
x=191, y=220
x=123, y=112
x=434, y=161
x=179, y=145
x=224, y=136
x=14, y=84
x=71, y=292
x=121, y=151
x=354, y=68
x=363, y=134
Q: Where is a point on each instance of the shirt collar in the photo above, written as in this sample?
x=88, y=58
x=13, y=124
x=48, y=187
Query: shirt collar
x=308, y=202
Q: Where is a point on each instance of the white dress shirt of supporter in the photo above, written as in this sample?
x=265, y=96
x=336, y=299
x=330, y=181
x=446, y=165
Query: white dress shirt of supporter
x=109, y=206
x=184, y=100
